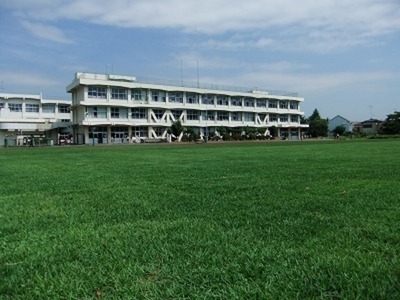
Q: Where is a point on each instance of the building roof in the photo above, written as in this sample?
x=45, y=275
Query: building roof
x=339, y=116
x=174, y=85
x=372, y=121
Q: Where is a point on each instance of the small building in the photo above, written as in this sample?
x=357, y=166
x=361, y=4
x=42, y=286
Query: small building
x=371, y=126
x=110, y=108
x=24, y=116
x=340, y=121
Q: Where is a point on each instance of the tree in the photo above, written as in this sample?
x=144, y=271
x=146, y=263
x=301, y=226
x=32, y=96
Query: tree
x=303, y=120
x=176, y=128
x=273, y=131
x=392, y=124
x=190, y=134
x=340, y=130
x=317, y=125
x=250, y=133
x=314, y=116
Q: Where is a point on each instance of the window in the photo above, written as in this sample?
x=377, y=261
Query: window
x=283, y=104
x=63, y=109
x=272, y=103
x=97, y=112
x=159, y=131
x=192, y=98
x=192, y=115
x=118, y=93
x=158, y=113
x=222, y=116
x=97, y=92
x=1, y=105
x=176, y=114
x=236, y=101
x=139, y=113
x=140, y=131
x=248, y=117
x=115, y=112
x=175, y=97
x=294, y=105
x=15, y=107
x=158, y=96
x=119, y=134
x=207, y=115
x=49, y=108
x=222, y=100
x=32, y=108
x=236, y=116
x=283, y=118
x=207, y=99
x=273, y=118
x=294, y=119
x=261, y=103
x=262, y=117
x=248, y=102
x=65, y=120
x=139, y=95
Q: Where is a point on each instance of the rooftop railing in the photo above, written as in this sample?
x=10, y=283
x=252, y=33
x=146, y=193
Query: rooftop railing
x=210, y=86
x=186, y=84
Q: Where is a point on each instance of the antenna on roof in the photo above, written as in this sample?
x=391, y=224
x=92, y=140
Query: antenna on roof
x=198, y=84
x=181, y=73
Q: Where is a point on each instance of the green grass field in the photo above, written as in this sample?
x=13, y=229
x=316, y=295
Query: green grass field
x=267, y=220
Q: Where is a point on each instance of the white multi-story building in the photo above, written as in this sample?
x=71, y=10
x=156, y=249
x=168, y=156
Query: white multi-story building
x=119, y=109
x=23, y=117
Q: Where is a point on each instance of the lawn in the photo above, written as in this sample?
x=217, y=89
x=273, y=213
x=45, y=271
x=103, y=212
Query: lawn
x=266, y=220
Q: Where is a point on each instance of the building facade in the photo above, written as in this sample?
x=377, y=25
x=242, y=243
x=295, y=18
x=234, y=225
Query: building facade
x=24, y=117
x=371, y=126
x=121, y=109
x=340, y=121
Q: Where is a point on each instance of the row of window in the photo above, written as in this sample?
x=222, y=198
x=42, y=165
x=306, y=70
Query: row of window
x=34, y=108
x=141, y=113
x=123, y=134
x=191, y=98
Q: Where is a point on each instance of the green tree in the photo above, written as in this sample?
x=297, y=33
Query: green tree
x=176, y=128
x=392, y=124
x=250, y=133
x=273, y=131
x=190, y=134
x=317, y=125
x=303, y=120
x=340, y=130
x=314, y=116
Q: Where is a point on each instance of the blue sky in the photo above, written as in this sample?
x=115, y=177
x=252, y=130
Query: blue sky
x=342, y=56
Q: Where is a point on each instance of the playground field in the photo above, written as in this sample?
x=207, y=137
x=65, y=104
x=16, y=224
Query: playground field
x=262, y=220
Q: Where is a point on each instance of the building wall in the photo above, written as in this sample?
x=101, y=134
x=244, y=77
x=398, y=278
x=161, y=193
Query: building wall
x=23, y=115
x=340, y=121
x=121, y=107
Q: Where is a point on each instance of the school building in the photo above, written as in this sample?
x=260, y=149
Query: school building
x=24, y=117
x=110, y=109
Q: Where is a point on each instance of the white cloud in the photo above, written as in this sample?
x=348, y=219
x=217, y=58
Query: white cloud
x=46, y=32
x=308, y=82
x=321, y=25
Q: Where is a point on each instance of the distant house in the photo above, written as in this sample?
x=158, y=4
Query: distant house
x=339, y=121
x=371, y=126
